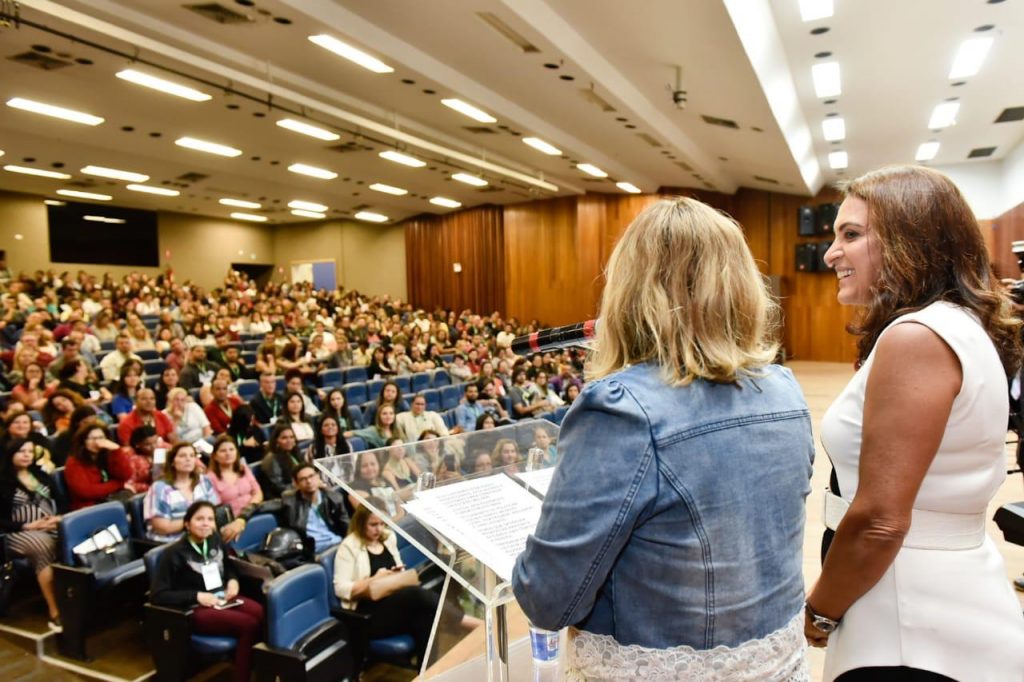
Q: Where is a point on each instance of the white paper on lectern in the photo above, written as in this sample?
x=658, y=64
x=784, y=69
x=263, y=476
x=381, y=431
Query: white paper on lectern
x=489, y=517
x=539, y=480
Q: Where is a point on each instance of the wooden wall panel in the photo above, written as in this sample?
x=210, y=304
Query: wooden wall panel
x=1006, y=229
x=472, y=238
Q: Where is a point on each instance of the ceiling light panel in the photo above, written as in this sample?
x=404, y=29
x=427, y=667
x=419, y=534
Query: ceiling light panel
x=970, y=57
x=469, y=179
x=307, y=206
x=208, y=147
x=308, y=214
x=404, y=159
x=39, y=172
x=54, y=202
x=446, y=202
x=103, y=219
x=838, y=160
x=152, y=82
x=115, y=174
x=307, y=129
x=469, y=110
x=927, y=151
x=159, y=191
x=812, y=10
x=591, y=169
x=312, y=171
x=388, y=189
x=84, y=195
x=54, y=111
x=628, y=187
x=944, y=115
x=350, y=53
x=251, y=217
x=826, y=79
x=542, y=146
x=834, y=128
x=240, y=203
x=371, y=217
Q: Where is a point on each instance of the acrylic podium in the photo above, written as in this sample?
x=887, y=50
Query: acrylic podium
x=475, y=498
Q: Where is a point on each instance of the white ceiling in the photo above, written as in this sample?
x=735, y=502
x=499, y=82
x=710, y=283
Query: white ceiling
x=608, y=100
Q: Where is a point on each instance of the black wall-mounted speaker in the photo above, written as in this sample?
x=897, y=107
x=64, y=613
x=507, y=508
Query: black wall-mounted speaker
x=823, y=247
x=805, y=221
x=806, y=257
x=825, y=218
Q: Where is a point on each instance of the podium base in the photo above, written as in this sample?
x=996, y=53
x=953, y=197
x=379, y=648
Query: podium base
x=521, y=667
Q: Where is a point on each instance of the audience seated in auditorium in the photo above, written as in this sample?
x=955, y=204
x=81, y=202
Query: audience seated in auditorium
x=419, y=419
x=172, y=494
x=327, y=439
x=267, y=404
x=135, y=463
x=399, y=470
x=279, y=463
x=219, y=410
x=247, y=434
x=89, y=473
x=145, y=413
x=189, y=420
x=234, y=483
x=314, y=511
x=377, y=436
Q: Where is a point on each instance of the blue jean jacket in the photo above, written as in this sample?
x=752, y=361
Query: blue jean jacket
x=676, y=515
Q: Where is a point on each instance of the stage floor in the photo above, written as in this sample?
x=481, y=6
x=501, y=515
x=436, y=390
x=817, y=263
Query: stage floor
x=821, y=382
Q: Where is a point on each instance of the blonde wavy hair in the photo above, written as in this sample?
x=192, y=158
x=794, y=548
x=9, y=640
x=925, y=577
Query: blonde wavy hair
x=683, y=291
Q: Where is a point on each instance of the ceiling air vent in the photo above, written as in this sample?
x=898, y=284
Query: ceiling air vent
x=480, y=130
x=39, y=61
x=349, y=147
x=191, y=177
x=981, y=152
x=596, y=99
x=685, y=166
x=648, y=139
x=770, y=181
x=1011, y=114
x=507, y=32
x=723, y=122
x=219, y=13
x=360, y=207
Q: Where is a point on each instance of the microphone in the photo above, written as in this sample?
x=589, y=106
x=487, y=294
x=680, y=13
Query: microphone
x=555, y=338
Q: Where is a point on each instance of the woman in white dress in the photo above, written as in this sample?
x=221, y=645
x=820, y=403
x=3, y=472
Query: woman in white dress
x=912, y=588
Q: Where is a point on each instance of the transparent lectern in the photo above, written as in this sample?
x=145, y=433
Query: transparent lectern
x=462, y=506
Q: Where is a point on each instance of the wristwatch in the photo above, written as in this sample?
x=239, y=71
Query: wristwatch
x=822, y=623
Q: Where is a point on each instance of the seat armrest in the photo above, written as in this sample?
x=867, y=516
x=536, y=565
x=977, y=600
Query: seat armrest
x=142, y=545
x=329, y=631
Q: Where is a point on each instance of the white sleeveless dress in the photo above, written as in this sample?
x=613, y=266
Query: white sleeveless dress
x=952, y=612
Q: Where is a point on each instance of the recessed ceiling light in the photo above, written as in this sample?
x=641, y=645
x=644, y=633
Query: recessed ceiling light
x=944, y=115
x=628, y=187
x=838, y=160
x=312, y=171
x=404, y=159
x=371, y=217
x=115, y=174
x=444, y=201
x=54, y=202
x=388, y=189
x=834, y=128
x=251, y=217
x=84, y=195
x=308, y=214
x=1, y=152
x=927, y=151
x=350, y=53
x=542, y=146
x=826, y=79
x=307, y=129
x=591, y=169
x=469, y=179
x=54, y=111
x=811, y=10
x=970, y=57
x=161, y=191
x=468, y=110
x=240, y=203
x=148, y=81
x=208, y=147
x=103, y=219
x=307, y=206
x=25, y=170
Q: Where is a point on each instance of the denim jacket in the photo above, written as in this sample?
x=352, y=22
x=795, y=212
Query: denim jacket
x=676, y=515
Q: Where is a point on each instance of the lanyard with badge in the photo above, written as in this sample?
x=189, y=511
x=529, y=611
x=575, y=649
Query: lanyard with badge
x=210, y=570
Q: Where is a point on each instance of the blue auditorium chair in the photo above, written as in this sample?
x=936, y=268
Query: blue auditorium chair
x=154, y=367
x=356, y=415
x=373, y=387
x=256, y=529
x=450, y=396
x=357, y=444
x=404, y=383
x=148, y=354
x=369, y=412
x=354, y=374
x=355, y=393
x=305, y=642
x=329, y=378
x=175, y=650
x=433, y=398
x=440, y=377
x=247, y=389
x=420, y=382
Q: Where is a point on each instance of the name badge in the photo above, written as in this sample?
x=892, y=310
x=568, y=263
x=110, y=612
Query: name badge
x=211, y=577
x=94, y=395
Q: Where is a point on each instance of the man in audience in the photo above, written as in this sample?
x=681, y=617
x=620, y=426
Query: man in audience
x=234, y=363
x=526, y=401
x=469, y=410
x=111, y=365
x=199, y=371
x=267, y=404
x=223, y=405
x=178, y=355
x=293, y=383
x=145, y=414
x=489, y=399
x=313, y=511
x=68, y=352
x=419, y=419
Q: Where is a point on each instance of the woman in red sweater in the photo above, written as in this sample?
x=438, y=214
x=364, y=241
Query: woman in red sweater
x=88, y=472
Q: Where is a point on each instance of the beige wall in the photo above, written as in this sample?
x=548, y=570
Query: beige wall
x=370, y=258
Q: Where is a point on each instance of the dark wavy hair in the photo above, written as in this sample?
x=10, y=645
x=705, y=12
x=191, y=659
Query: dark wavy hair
x=932, y=250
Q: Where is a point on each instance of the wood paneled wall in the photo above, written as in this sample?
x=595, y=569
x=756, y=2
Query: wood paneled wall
x=472, y=238
x=1006, y=229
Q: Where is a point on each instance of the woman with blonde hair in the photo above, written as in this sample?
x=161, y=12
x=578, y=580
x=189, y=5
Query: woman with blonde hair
x=694, y=452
